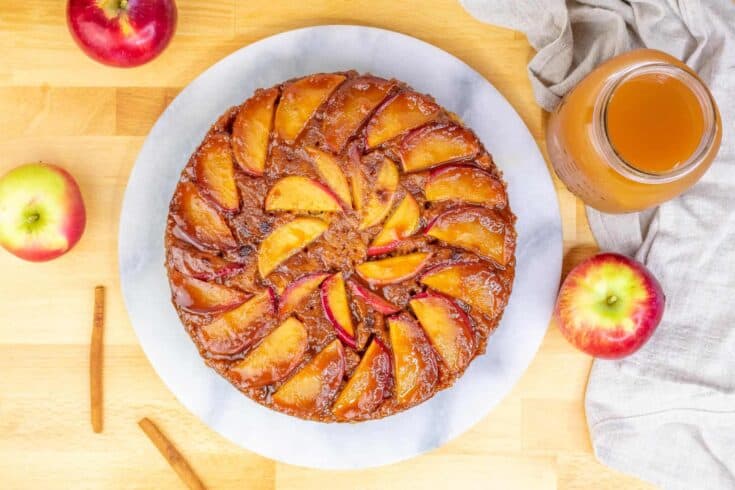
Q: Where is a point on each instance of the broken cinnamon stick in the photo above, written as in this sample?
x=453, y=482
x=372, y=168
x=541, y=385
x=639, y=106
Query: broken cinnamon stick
x=171, y=454
x=95, y=359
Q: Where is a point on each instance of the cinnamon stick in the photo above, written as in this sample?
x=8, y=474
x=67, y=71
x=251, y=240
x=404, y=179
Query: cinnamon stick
x=171, y=454
x=95, y=359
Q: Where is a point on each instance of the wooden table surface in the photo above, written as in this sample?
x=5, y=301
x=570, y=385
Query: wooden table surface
x=58, y=106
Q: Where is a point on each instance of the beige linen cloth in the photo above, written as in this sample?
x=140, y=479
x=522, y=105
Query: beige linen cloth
x=667, y=413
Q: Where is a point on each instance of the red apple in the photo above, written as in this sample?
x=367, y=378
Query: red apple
x=122, y=33
x=609, y=306
x=41, y=212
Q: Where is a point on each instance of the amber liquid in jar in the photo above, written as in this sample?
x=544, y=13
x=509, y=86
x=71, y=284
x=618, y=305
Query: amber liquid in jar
x=637, y=131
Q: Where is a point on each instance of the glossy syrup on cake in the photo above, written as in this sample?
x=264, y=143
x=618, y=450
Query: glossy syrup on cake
x=340, y=247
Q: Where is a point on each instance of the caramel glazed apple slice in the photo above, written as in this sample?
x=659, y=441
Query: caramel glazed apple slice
x=278, y=185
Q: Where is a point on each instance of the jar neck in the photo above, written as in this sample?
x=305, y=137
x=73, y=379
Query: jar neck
x=601, y=138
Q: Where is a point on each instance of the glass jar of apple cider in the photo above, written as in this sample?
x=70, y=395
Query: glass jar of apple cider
x=639, y=130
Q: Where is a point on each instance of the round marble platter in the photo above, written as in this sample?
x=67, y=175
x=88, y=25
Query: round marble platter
x=176, y=135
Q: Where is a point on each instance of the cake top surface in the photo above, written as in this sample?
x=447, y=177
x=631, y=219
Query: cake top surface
x=340, y=247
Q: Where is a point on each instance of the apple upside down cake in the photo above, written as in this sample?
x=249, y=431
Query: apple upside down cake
x=340, y=247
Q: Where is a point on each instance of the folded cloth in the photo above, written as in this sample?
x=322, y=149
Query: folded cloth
x=667, y=413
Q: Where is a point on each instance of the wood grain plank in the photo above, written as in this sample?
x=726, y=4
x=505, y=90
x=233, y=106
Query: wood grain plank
x=44, y=413
x=436, y=470
x=57, y=111
x=551, y=425
x=137, y=109
x=578, y=471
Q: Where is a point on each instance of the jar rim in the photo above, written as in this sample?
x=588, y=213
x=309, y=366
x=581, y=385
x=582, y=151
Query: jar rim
x=602, y=141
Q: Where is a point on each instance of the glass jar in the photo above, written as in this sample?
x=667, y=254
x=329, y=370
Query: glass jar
x=614, y=139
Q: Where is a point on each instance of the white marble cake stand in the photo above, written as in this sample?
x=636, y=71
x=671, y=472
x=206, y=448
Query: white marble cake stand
x=178, y=131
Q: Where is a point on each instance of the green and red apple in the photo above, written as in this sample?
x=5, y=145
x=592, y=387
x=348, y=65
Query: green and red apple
x=41, y=212
x=609, y=306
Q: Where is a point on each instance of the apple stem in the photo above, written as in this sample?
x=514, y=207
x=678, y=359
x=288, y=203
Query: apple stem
x=123, y=4
x=32, y=218
x=612, y=299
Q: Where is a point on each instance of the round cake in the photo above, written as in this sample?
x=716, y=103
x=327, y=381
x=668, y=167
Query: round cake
x=340, y=247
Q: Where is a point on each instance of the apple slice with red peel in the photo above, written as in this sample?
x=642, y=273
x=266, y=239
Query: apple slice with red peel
x=429, y=146
x=215, y=171
x=274, y=358
x=199, y=220
x=392, y=269
x=299, y=100
x=332, y=174
x=201, y=265
x=479, y=230
x=311, y=390
x=298, y=291
x=465, y=183
x=337, y=308
x=239, y=328
x=358, y=185
x=197, y=296
x=301, y=194
x=472, y=282
x=380, y=200
x=251, y=131
x=404, y=222
x=368, y=386
x=373, y=300
x=351, y=104
x=416, y=371
x=287, y=240
x=405, y=111
x=447, y=327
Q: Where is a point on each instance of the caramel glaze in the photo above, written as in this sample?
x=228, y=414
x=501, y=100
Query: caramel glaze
x=340, y=248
